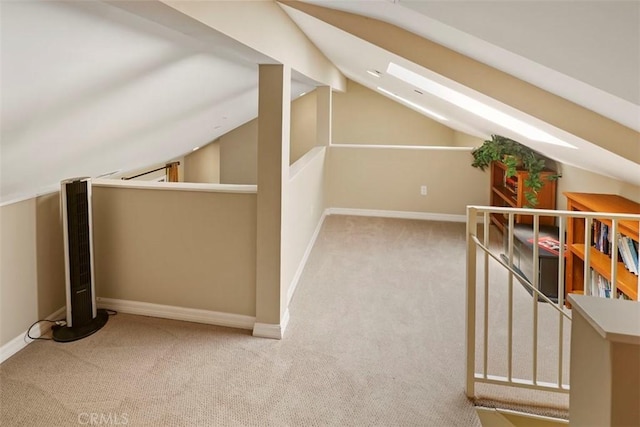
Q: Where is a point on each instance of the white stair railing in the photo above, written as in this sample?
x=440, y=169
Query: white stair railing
x=480, y=248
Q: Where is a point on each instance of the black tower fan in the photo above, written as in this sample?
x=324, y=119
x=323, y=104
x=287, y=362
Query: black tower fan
x=83, y=317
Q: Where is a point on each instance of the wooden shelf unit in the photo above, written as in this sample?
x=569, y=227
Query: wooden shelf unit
x=626, y=282
x=505, y=195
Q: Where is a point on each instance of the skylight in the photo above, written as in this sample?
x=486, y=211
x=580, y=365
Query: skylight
x=473, y=106
x=413, y=104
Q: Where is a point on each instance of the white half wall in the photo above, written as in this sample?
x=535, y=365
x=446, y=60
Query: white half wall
x=303, y=216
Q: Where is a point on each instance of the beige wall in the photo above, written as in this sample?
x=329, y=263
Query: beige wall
x=18, y=273
x=362, y=116
x=390, y=179
x=582, y=181
x=303, y=126
x=179, y=248
x=303, y=211
x=239, y=148
x=461, y=139
x=239, y=155
x=203, y=165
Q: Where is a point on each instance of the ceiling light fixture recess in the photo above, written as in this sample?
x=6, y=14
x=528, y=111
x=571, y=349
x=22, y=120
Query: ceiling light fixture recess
x=195, y=148
x=473, y=106
x=413, y=104
x=302, y=94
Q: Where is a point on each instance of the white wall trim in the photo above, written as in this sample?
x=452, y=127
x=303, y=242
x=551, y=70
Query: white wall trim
x=270, y=330
x=303, y=262
x=24, y=197
x=178, y=313
x=175, y=186
x=21, y=341
x=429, y=216
x=404, y=147
x=496, y=417
x=285, y=321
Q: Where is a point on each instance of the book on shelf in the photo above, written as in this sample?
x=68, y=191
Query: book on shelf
x=625, y=254
x=629, y=253
x=601, y=238
x=600, y=286
x=511, y=184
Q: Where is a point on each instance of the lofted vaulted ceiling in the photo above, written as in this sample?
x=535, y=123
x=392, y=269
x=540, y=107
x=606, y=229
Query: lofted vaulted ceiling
x=89, y=88
x=599, y=125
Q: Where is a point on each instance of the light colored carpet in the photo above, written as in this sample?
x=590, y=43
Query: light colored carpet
x=376, y=337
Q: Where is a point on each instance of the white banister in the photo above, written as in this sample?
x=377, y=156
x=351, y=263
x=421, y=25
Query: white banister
x=470, y=302
x=562, y=226
x=539, y=379
x=510, y=303
x=485, y=335
x=536, y=284
x=588, y=223
x=614, y=259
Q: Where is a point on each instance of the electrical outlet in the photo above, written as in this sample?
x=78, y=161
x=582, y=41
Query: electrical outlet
x=423, y=190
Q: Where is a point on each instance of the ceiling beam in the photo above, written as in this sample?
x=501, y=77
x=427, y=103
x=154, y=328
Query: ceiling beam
x=265, y=27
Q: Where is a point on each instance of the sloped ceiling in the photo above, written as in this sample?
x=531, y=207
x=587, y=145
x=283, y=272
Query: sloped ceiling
x=88, y=88
x=334, y=34
x=585, y=51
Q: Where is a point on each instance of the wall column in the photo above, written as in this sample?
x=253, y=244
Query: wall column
x=323, y=115
x=274, y=113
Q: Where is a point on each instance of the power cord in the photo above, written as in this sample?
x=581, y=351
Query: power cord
x=57, y=324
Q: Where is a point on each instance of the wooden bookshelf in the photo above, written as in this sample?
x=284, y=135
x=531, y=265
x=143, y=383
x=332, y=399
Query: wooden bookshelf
x=626, y=282
x=510, y=192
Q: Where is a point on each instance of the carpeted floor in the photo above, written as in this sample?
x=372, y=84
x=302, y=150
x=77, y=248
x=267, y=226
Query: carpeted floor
x=376, y=337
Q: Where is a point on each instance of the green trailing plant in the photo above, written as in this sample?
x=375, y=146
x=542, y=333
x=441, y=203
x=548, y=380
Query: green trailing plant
x=514, y=156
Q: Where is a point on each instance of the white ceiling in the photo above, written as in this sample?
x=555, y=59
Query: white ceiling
x=339, y=46
x=590, y=41
x=88, y=88
x=585, y=51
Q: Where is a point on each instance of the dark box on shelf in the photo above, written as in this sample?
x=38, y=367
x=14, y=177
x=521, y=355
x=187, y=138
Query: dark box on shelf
x=547, y=256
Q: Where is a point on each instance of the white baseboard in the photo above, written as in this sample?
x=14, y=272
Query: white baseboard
x=21, y=341
x=296, y=277
x=397, y=214
x=177, y=313
x=270, y=330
